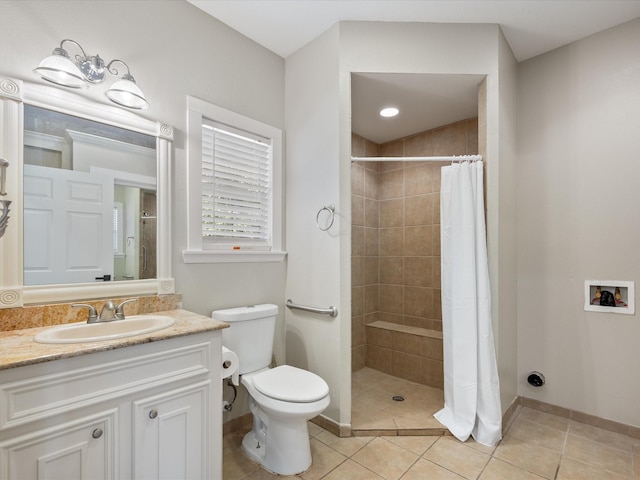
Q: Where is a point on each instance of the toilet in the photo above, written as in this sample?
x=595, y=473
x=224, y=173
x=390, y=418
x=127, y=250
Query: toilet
x=281, y=399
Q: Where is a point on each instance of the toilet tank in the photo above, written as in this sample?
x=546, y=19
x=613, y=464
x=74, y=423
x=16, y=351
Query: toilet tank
x=250, y=334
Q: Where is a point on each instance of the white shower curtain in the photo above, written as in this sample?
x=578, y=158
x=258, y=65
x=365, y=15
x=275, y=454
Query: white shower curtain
x=471, y=388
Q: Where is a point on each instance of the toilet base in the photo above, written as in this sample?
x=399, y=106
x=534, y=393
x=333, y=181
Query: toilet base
x=285, y=450
x=253, y=448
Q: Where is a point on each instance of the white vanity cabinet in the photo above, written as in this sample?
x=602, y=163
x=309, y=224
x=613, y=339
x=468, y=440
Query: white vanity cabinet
x=147, y=411
x=81, y=449
x=169, y=436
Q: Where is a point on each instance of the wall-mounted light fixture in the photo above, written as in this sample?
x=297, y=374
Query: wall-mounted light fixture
x=85, y=70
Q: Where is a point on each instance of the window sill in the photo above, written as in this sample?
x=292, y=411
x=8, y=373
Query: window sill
x=210, y=256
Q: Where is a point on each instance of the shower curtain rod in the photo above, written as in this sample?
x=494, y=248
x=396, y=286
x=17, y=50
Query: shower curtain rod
x=449, y=158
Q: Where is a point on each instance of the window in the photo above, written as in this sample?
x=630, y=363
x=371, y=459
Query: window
x=235, y=187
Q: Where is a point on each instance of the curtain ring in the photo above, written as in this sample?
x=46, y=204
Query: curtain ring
x=332, y=210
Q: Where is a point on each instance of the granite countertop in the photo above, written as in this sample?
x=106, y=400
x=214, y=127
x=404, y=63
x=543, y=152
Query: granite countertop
x=17, y=347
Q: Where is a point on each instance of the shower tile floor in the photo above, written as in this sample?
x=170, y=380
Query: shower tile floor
x=375, y=412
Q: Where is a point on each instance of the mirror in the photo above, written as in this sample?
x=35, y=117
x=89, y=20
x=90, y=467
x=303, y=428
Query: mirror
x=89, y=192
x=90, y=187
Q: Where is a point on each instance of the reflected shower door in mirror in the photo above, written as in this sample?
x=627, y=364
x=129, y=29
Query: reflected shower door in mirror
x=89, y=200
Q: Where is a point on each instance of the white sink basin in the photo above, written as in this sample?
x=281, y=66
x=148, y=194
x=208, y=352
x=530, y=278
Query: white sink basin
x=96, y=332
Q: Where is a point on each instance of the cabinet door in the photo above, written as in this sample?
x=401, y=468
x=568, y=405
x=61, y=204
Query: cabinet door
x=79, y=450
x=170, y=438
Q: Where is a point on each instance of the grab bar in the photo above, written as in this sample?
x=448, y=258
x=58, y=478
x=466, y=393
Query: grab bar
x=331, y=311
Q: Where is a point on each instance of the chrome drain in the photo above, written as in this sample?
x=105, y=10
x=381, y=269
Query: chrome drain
x=397, y=398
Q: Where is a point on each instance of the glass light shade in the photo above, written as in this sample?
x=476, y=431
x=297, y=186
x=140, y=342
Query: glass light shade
x=127, y=94
x=61, y=70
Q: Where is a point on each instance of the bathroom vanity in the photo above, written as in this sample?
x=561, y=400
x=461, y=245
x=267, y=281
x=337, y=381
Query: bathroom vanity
x=139, y=407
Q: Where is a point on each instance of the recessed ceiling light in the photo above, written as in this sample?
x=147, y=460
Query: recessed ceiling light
x=389, y=112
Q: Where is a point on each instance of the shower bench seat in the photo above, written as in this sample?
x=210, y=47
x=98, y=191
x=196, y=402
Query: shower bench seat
x=412, y=353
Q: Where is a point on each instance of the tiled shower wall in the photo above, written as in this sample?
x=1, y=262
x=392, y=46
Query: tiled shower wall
x=364, y=252
x=396, y=250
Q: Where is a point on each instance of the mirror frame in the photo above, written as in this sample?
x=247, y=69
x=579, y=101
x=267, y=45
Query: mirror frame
x=14, y=94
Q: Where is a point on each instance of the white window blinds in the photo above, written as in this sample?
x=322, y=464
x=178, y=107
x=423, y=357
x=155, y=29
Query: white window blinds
x=236, y=187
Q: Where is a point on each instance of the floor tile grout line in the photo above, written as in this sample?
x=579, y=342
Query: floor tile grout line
x=367, y=468
x=351, y=455
x=435, y=463
x=564, y=442
x=410, y=467
x=564, y=454
x=519, y=416
x=484, y=467
x=422, y=456
x=330, y=471
x=520, y=467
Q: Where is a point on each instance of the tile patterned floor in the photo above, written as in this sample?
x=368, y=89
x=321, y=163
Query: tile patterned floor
x=536, y=446
x=374, y=410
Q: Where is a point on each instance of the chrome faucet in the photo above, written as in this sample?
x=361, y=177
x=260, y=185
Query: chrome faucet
x=93, y=315
x=109, y=311
x=119, y=314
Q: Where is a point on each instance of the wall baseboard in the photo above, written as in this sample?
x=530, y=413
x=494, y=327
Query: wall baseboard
x=581, y=417
x=332, y=426
x=510, y=414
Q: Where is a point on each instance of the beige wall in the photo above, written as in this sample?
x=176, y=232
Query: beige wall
x=578, y=211
x=173, y=50
x=576, y=181
x=315, y=342
x=318, y=103
x=451, y=49
x=501, y=195
x=163, y=44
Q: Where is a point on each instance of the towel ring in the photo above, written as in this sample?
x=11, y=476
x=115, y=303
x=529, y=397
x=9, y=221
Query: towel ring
x=332, y=211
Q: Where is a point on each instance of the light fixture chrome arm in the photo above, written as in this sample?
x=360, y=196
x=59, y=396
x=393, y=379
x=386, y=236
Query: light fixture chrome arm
x=114, y=71
x=61, y=48
x=92, y=67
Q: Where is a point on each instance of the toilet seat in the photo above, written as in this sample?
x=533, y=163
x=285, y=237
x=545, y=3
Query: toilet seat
x=291, y=384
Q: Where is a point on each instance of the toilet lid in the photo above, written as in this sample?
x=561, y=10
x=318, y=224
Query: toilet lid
x=291, y=384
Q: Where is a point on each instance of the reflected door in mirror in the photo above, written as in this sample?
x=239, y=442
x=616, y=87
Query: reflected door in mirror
x=89, y=201
x=67, y=226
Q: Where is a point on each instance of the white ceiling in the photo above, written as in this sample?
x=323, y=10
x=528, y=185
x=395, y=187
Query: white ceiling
x=531, y=27
x=425, y=102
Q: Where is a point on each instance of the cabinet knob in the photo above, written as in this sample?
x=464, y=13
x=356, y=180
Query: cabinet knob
x=153, y=414
x=97, y=433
